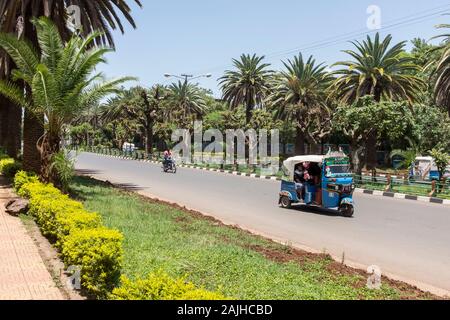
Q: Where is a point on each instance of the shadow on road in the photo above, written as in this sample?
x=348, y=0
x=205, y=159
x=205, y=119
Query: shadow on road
x=128, y=186
x=86, y=171
x=318, y=211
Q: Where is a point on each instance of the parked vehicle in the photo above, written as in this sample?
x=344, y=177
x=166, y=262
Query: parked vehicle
x=332, y=188
x=128, y=147
x=425, y=169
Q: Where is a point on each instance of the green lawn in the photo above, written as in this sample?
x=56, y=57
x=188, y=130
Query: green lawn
x=217, y=257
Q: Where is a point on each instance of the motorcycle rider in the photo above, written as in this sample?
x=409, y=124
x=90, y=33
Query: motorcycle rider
x=167, y=158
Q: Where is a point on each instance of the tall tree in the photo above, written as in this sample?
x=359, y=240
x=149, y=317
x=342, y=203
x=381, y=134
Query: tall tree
x=140, y=105
x=188, y=101
x=248, y=84
x=380, y=70
x=442, y=86
x=299, y=96
x=100, y=15
x=60, y=79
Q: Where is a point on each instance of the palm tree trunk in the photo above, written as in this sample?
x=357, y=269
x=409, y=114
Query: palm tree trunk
x=4, y=109
x=50, y=145
x=371, y=143
x=33, y=130
x=11, y=121
x=248, y=115
x=371, y=151
x=14, y=125
x=300, y=142
x=149, y=140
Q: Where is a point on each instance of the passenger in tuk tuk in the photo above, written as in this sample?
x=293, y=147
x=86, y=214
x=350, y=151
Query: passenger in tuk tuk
x=299, y=179
x=315, y=173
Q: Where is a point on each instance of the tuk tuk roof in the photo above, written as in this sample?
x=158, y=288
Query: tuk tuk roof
x=290, y=163
x=424, y=158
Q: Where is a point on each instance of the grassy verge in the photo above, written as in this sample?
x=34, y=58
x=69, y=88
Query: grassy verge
x=217, y=257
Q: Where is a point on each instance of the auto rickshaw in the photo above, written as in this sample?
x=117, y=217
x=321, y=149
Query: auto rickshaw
x=333, y=188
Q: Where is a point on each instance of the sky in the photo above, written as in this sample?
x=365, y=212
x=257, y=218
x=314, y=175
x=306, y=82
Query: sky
x=202, y=36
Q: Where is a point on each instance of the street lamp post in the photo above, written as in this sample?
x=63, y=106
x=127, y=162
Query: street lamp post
x=187, y=77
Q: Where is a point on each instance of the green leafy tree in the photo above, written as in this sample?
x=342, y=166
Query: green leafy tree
x=299, y=97
x=442, y=86
x=61, y=81
x=248, y=84
x=409, y=155
x=366, y=116
x=380, y=70
x=431, y=128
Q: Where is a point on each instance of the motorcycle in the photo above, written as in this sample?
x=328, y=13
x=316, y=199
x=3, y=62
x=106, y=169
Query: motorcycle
x=169, y=166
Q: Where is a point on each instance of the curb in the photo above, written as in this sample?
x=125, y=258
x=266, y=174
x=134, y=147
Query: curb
x=256, y=176
x=403, y=196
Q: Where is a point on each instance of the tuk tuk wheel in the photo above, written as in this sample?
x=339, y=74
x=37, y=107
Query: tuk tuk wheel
x=285, y=202
x=346, y=210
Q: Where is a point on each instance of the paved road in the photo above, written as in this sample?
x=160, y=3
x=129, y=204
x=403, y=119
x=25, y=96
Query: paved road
x=408, y=239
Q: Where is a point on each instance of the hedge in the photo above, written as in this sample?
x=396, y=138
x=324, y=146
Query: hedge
x=84, y=242
x=77, y=233
x=23, y=177
x=9, y=167
x=160, y=286
x=99, y=253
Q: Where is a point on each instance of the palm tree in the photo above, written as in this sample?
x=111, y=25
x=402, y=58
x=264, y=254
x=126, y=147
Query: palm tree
x=100, y=15
x=248, y=84
x=299, y=96
x=140, y=105
x=60, y=81
x=380, y=70
x=96, y=15
x=442, y=86
x=188, y=100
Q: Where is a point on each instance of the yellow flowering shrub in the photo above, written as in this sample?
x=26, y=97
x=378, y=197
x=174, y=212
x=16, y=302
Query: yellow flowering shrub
x=160, y=286
x=23, y=177
x=33, y=188
x=98, y=252
x=77, y=233
x=9, y=167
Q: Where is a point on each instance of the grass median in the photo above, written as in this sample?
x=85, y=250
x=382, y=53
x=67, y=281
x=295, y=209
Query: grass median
x=160, y=236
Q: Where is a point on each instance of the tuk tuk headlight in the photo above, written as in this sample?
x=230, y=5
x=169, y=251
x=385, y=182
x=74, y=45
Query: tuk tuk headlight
x=347, y=188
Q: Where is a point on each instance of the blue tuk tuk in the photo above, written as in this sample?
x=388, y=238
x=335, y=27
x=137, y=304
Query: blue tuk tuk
x=331, y=187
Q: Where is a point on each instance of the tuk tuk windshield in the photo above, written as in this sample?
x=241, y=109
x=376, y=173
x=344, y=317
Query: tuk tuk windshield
x=341, y=169
x=337, y=166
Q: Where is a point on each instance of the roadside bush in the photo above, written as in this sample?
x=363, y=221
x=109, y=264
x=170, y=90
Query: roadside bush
x=99, y=254
x=59, y=215
x=23, y=177
x=77, y=233
x=9, y=167
x=160, y=286
x=76, y=220
x=33, y=188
